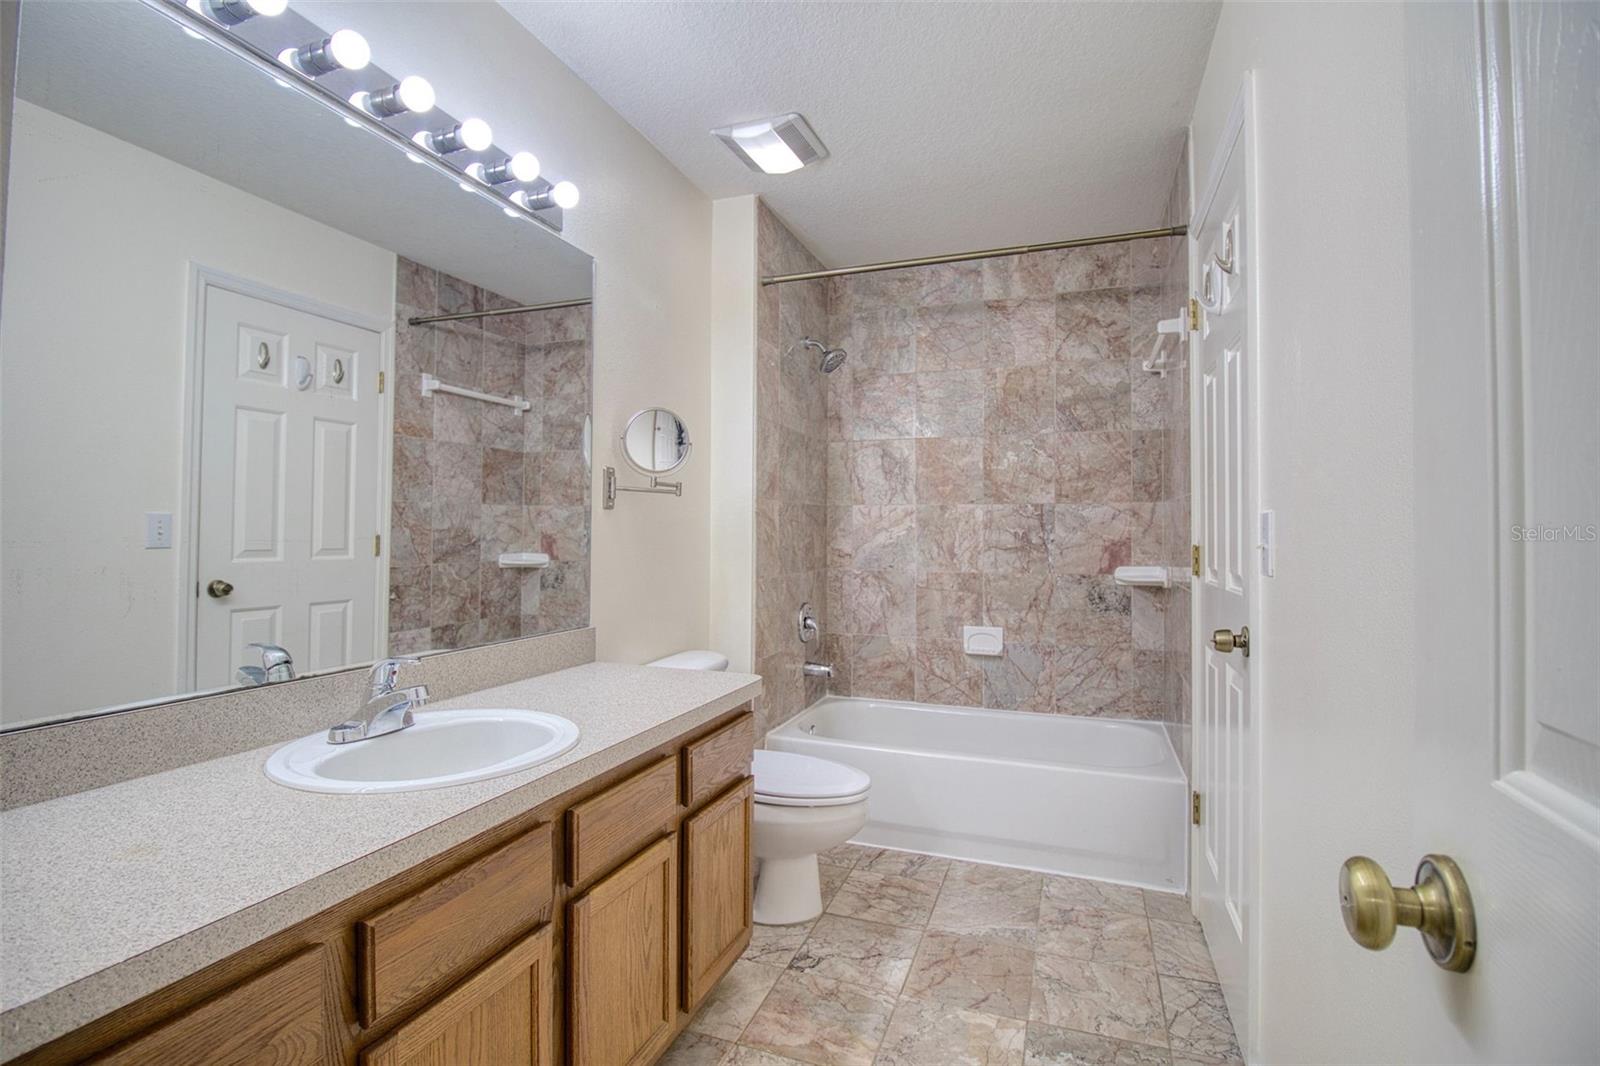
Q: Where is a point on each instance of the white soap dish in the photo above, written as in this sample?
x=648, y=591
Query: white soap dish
x=983, y=640
x=1145, y=576
x=524, y=560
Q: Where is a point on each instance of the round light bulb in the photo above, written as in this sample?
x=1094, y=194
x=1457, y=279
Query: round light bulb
x=524, y=166
x=476, y=134
x=565, y=194
x=269, y=8
x=349, y=49
x=416, y=94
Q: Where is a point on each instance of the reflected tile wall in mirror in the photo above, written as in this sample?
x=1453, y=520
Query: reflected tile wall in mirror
x=473, y=480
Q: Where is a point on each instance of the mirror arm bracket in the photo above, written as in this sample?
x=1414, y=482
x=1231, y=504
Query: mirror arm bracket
x=657, y=487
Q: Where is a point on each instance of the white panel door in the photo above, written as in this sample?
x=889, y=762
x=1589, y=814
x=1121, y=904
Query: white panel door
x=1505, y=149
x=1224, y=734
x=288, y=493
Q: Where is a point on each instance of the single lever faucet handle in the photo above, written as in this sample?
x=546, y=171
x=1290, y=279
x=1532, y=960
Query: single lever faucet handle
x=271, y=654
x=387, y=671
x=276, y=663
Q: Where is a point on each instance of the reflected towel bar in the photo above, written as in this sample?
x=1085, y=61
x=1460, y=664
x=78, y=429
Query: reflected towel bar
x=431, y=385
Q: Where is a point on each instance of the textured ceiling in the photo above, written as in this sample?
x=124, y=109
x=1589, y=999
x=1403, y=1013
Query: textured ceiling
x=952, y=126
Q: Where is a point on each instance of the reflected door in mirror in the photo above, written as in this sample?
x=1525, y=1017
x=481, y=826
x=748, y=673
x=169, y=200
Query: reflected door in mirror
x=655, y=442
x=288, y=486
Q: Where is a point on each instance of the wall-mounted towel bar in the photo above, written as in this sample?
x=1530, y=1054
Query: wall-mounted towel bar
x=1158, y=363
x=431, y=385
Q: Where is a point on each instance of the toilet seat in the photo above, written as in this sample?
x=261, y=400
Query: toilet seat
x=786, y=779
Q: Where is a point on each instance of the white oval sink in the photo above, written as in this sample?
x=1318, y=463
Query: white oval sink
x=442, y=748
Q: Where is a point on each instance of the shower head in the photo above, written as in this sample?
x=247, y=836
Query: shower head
x=832, y=358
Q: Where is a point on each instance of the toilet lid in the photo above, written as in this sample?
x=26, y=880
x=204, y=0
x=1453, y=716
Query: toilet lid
x=693, y=660
x=785, y=775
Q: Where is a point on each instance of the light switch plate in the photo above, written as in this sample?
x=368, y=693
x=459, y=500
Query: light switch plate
x=158, y=529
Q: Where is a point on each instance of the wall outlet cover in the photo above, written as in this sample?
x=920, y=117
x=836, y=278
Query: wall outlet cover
x=983, y=640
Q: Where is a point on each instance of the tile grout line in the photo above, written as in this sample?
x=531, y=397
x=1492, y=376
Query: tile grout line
x=1155, y=966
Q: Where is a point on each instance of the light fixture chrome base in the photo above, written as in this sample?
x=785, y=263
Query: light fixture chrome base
x=610, y=488
x=292, y=30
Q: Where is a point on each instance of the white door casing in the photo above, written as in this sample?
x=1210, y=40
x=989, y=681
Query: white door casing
x=288, y=488
x=1505, y=147
x=1225, y=733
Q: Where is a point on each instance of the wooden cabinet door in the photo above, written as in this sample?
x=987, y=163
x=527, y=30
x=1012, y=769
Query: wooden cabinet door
x=622, y=984
x=500, y=1016
x=285, y=1016
x=716, y=890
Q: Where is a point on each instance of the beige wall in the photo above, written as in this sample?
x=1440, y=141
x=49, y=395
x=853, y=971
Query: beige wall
x=732, y=455
x=94, y=333
x=649, y=231
x=1335, y=463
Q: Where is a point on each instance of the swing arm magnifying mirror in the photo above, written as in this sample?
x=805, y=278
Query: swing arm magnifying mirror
x=655, y=442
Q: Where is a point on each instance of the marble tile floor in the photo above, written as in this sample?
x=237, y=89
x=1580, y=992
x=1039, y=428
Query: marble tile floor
x=922, y=961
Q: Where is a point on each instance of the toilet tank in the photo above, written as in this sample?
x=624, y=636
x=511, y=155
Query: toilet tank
x=693, y=660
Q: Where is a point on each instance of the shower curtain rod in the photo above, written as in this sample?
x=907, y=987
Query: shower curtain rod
x=963, y=257
x=423, y=320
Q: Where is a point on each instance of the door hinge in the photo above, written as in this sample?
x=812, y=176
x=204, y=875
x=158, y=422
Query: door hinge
x=1194, y=559
x=1194, y=808
x=377, y=544
x=1194, y=315
x=380, y=381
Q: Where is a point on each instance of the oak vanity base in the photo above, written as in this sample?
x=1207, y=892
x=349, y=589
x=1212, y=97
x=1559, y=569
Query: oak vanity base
x=489, y=952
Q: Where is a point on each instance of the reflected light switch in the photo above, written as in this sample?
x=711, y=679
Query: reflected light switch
x=158, y=529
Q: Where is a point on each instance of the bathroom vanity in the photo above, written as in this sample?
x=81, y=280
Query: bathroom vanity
x=576, y=912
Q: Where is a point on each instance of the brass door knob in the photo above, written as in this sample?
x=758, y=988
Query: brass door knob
x=1438, y=906
x=218, y=589
x=1225, y=640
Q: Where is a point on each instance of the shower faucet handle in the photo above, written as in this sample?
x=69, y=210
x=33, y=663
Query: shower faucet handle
x=806, y=621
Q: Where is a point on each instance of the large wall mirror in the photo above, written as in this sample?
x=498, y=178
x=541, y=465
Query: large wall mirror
x=223, y=434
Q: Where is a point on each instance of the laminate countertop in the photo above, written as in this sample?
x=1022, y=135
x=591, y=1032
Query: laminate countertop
x=110, y=894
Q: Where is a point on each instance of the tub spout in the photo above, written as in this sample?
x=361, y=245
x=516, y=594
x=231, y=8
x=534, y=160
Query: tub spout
x=817, y=670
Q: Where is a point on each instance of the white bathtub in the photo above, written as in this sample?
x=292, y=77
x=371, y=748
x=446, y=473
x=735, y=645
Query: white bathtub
x=1090, y=797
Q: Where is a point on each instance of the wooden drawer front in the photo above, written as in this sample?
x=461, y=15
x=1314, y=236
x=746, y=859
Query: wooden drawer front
x=622, y=938
x=605, y=829
x=285, y=1016
x=716, y=890
x=712, y=762
x=436, y=935
x=502, y=1015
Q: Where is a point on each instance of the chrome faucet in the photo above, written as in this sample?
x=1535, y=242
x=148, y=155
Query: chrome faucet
x=387, y=709
x=276, y=665
x=817, y=669
x=806, y=623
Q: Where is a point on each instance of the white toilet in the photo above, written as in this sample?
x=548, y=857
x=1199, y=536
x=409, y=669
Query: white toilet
x=804, y=805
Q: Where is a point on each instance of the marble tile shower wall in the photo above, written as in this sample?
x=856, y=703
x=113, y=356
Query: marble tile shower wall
x=791, y=471
x=994, y=452
x=1175, y=603
x=472, y=480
